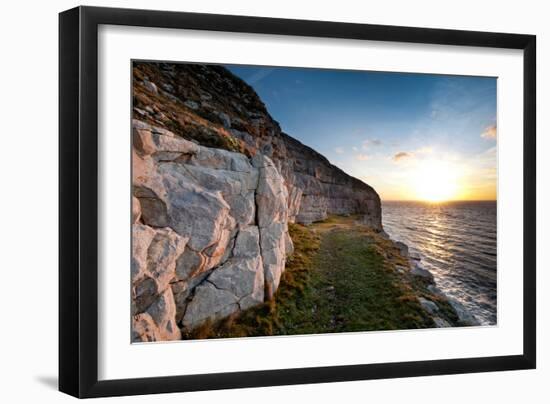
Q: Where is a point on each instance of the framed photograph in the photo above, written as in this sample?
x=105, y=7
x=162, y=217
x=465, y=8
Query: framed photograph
x=251, y=201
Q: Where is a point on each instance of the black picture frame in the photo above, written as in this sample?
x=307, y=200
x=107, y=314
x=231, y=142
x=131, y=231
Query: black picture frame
x=78, y=201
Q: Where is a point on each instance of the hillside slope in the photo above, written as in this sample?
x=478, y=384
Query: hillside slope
x=210, y=105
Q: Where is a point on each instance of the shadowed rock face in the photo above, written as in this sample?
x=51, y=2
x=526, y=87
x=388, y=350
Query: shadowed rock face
x=215, y=183
x=324, y=188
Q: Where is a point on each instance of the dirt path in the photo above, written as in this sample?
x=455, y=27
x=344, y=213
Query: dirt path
x=352, y=287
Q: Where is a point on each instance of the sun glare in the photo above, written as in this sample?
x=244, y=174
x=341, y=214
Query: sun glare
x=435, y=181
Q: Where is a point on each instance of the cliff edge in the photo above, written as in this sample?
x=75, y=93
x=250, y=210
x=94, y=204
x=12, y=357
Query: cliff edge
x=215, y=184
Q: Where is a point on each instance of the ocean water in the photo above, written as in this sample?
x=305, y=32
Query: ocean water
x=457, y=243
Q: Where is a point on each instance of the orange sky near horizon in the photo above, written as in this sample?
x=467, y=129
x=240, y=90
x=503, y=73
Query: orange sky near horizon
x=434, y=179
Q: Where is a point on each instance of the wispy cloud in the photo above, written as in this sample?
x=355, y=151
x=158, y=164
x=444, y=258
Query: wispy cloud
x=490, y=151
x=490, y=132
x=419, y=153
x=402, y=156
x=361, y=157
x=259, y=75
x=339, y=150
x=367, y=144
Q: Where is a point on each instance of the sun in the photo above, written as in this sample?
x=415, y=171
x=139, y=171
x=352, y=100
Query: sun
x=435, y=181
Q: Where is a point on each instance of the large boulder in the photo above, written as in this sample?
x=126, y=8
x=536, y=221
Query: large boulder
x=237, y=187
x=141, y=239
x=154, y=256
x=236, y=285
x=192, y=210
x=149, y=189
x=183, y=292
x=294, y=201
x=136, y=210
x=464, y=316
x=164, y=250
x=220, y=159
x=273, y=244
x=272, y=217
x=157, y=323
x=418, y=271
x=271, y=194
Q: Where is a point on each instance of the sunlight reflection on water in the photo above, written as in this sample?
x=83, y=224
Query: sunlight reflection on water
x=457, y=244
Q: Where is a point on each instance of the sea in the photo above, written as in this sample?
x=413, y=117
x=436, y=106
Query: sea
x=457, y=243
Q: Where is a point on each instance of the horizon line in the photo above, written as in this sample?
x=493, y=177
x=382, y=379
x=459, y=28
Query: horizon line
x=434, y=202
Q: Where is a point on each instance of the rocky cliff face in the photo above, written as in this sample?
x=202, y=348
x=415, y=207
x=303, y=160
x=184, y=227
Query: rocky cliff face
x=215, y=183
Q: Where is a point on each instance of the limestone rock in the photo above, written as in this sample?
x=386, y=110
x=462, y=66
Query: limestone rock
x=221, y=105
x=141, y=239
x=209, y=304
x=403, y=248
x=417, y=270
x=428, y=305
x=237, y=188
x=151, y=140
x=273, y=247
x=154, y=258
x=210, y=222
x=247, y=243
x=164, y=250
x=158, y=322
x=153, y=211
x=386, y=236
x=149, y=188
x=136, y=210
x=243, y=277
x=435, y=290
x=143, y=141
x=271, y=194
x=221, y=160
x=218, y=253
x=440, y=323
x=191, y=104
x=144, y=329
x=463, y=315
x=189, y=264
x=144, y=293
x=237, y=285
x=150, y=86
x=183, y=290
x=294, y=201
x=191, y=201
x=192, y=210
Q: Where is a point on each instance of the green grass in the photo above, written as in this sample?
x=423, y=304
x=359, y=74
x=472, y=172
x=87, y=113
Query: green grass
x=341, y=278
x=351, y=289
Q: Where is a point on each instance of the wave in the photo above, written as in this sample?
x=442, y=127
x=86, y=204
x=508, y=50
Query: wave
x=457, y=242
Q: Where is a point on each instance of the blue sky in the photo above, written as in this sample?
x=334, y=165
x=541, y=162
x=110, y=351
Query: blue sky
x=387, y=128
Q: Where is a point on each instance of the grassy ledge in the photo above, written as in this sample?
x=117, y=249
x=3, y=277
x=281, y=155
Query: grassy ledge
x=342, y=277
